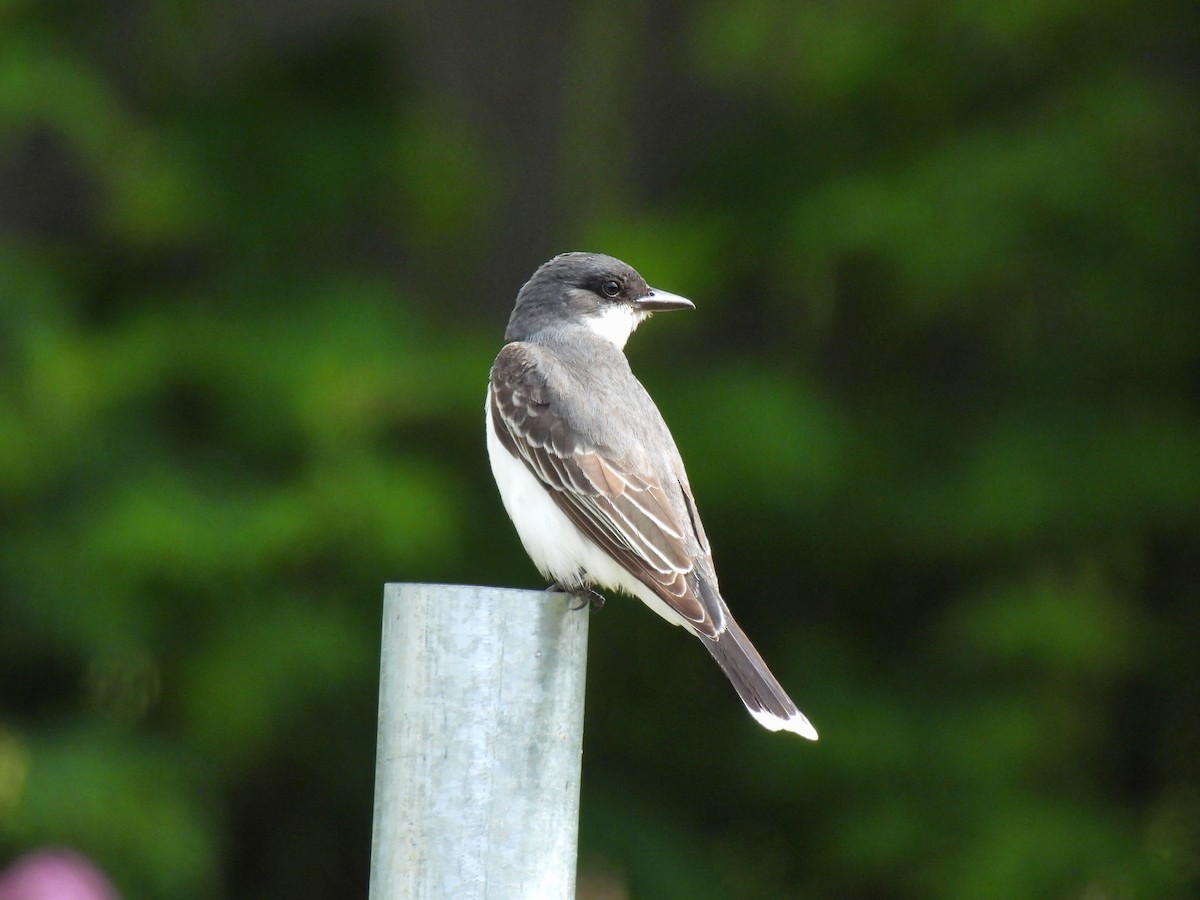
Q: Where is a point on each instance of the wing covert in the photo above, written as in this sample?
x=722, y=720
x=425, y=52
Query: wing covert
x=622, y=507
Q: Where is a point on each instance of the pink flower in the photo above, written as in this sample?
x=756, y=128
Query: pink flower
x=54, y=874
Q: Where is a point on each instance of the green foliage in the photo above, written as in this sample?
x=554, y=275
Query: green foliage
x=939, y=404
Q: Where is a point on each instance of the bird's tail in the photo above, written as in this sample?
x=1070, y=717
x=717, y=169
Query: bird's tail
x=762, y=694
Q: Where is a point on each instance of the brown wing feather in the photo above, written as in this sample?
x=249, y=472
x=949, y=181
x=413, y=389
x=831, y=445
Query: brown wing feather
x=628, y=513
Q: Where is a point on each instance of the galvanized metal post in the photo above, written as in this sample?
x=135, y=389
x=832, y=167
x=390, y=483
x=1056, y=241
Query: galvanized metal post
x=480, y=742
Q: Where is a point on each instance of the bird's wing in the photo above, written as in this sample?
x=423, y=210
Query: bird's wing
x=625, y=509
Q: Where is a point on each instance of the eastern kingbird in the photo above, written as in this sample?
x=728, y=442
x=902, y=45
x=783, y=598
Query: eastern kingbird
x=589, y=473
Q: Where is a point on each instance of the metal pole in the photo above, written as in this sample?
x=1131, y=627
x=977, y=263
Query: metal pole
x=480, y=743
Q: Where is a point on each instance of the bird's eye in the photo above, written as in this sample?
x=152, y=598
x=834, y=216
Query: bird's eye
x=611, y=288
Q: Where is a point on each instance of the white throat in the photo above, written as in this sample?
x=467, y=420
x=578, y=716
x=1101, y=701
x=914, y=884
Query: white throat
x=616, y=323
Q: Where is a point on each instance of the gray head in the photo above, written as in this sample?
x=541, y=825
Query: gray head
x=588, y=290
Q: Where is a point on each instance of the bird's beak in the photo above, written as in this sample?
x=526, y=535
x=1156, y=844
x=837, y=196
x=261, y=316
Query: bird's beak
x=662, y=301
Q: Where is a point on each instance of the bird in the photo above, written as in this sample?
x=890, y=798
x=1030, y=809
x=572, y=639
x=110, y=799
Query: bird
x=590, y=475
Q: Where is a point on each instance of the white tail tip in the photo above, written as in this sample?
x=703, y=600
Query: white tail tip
x=796, y=724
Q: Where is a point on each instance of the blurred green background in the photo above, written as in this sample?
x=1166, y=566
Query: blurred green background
x=940, y=403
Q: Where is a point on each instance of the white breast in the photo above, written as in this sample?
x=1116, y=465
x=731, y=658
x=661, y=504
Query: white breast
x=560, y=551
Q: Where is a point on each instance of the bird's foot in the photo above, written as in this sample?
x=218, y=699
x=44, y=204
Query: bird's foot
x=584, y=596
x=594, y=600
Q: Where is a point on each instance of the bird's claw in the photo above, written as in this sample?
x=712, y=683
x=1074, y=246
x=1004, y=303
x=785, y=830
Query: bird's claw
x=584, y=596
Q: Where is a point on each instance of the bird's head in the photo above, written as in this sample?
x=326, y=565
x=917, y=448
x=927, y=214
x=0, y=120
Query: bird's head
x=588, y=290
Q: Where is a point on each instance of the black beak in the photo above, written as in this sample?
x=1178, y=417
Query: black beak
x=662, y=301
